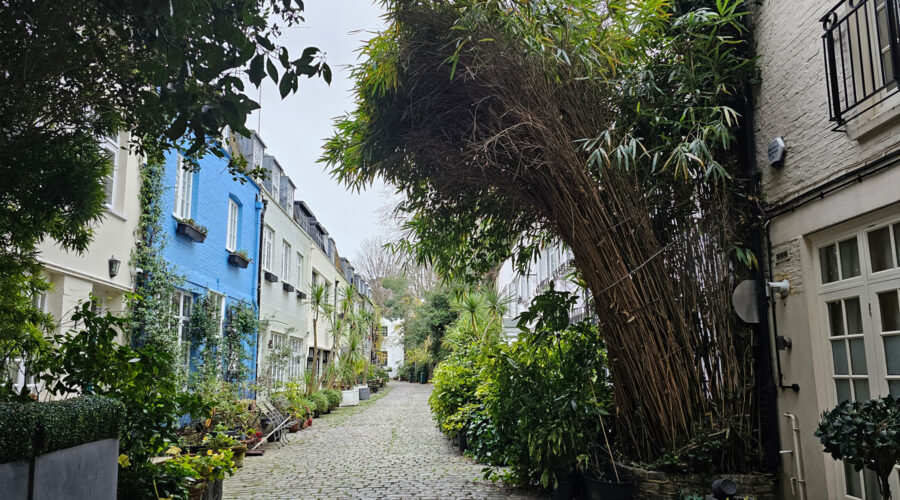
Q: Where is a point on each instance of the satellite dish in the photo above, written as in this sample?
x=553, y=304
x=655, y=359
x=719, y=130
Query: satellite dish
x=744, y=301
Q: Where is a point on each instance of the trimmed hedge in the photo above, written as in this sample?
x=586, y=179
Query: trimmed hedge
x=31, y=429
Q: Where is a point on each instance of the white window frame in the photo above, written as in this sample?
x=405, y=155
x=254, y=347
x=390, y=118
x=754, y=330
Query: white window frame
x=278, y=340
x=268, y=243
x=299, y=271
x=184, y=190
x=111, y=145
x=183, y=322
x=297, y=364
x=285, y=260
x=866, y=287
x=276, y=184
x=234, y=214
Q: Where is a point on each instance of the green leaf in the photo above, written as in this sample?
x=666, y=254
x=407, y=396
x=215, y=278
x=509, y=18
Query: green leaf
x=273, y=71
x=287, y=83
x=256, y=72
x=326, y=73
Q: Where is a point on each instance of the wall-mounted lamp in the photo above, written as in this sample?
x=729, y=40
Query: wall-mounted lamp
x=782, y=288
x=113, y=266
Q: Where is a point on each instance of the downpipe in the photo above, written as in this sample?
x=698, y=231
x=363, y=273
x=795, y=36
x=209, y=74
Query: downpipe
x=800, y=489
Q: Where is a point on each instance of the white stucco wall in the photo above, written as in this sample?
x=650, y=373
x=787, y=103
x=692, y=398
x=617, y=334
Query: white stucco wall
x=393, y=344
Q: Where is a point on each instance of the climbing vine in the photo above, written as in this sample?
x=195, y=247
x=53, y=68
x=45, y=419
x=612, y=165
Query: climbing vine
x=241, y=325
x=151, y=314
x=204, y=335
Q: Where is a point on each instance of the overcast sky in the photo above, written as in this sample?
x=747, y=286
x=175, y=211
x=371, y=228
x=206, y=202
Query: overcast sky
x=294, y=129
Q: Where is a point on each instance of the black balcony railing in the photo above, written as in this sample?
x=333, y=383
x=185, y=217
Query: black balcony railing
x=862, y=56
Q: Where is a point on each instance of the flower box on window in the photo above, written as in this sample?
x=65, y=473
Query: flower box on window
x=239, y=259
x=287, y=287
x=271, y=277
x=301, y=295
x=192, y=230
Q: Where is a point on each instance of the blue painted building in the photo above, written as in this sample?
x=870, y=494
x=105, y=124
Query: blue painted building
x=212, y=221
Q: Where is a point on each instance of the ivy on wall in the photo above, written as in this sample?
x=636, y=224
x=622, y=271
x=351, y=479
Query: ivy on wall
x=204, y=335
x=151, y=314
x=241, y=325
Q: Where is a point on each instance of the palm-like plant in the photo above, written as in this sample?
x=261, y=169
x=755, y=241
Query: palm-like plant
x=342, y=319
x=321, y=306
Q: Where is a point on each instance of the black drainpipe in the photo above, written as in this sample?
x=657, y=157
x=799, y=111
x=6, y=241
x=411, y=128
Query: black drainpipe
x=262, y=226
x=762, y=347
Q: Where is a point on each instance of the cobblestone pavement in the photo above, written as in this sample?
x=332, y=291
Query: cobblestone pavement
x=389, y=448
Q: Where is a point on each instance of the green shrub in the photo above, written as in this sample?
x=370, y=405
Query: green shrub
x=321, y=402
x=455, y=382
x=334, y=398
x=31, y=429
x=864, y=434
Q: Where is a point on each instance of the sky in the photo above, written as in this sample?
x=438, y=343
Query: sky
x=294, y=129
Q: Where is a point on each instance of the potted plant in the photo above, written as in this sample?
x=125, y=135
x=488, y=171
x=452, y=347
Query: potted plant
x=864, y=434
x=239, y=259
x=192, y=230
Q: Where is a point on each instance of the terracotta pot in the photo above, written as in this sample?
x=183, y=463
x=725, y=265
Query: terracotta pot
x=295, y=426
x=309, y=422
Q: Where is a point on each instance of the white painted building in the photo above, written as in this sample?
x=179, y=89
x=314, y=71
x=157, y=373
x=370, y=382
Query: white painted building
x=554, y=265
x=829, y=73
x=104, y=270
x=392, y=344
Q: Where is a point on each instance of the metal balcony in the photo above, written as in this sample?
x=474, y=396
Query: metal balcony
x=862, y=56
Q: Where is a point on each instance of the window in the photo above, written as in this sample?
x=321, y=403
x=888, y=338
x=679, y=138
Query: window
x=839, y=261
x=110, y=146
x=860, y=322
x=276, y=184
x=231, y=238
x=220, y=311
x=181, y=314
x=184, y=189
x=315, y=278
x=16, y=369
x=279, y=342
x=285, y=260
x=299, y=270
x=268, y=242
x=295, y=366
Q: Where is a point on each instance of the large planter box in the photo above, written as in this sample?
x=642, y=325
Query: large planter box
x=350, y=398
x=90, y=470
x=364, y=393
x=195, y=234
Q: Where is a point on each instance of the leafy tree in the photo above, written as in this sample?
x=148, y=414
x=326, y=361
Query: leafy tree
x=430, y=320
x=169, y=73
x=609, y=127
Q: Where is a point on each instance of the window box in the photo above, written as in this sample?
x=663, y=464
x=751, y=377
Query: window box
x=287, y=287
x=238, y=260
x=192, y=230
x=270, y=277
x=301, y=295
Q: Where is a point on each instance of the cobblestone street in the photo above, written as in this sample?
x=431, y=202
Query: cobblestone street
x=389, y=448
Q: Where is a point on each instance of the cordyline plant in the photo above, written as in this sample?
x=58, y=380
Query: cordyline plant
x=607, y=125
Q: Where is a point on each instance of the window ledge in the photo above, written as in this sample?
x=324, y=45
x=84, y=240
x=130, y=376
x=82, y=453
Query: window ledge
x=115, y=213
x=878, y=119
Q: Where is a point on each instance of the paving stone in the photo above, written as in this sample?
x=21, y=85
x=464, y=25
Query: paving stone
x=387, y=449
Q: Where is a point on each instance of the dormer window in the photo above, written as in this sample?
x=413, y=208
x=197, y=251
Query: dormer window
x=276, y=184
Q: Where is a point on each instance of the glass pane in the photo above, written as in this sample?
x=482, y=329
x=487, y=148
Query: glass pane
x=839, y=355
x=894, y=388
x=843, y=390
x=880, y=249
x=861, y=388
x=890, y=311
x=858, y=356
x=854, y=316
x=849, y=258
x=854, y=488
x=892, y=354
x=870, y=481
x=828, y=260
x=897, y=241
x=836, y=318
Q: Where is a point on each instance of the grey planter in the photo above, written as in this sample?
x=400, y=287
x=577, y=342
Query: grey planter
x=195, y=234
x=364, y=393
x=89, y=470
x=238, y=261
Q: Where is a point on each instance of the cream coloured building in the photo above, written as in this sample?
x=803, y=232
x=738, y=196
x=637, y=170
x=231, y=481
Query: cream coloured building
x=104, y=269
x=829, y=90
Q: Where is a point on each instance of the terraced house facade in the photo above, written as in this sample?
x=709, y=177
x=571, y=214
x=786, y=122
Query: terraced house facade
x=829, y=94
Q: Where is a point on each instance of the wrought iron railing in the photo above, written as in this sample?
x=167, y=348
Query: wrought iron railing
x=862, y=55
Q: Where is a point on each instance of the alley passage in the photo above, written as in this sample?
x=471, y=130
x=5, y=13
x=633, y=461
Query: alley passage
x=388, y=449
